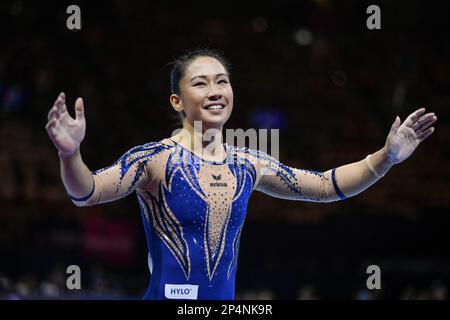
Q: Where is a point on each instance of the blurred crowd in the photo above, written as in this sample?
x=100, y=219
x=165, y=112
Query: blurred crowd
x=103, y=286
x=314, y=71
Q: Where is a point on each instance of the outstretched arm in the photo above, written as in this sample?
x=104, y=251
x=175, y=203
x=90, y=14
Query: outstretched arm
x=348, y=180
x=401, y=142
x=83, y=186
x=67, y=134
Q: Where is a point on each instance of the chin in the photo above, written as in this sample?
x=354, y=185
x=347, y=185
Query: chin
x=213, y=124
x=214, y=120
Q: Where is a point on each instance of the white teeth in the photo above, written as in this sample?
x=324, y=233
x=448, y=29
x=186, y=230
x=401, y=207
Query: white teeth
x=214, y=107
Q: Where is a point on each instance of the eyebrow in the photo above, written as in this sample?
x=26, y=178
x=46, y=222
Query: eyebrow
x=204, y=77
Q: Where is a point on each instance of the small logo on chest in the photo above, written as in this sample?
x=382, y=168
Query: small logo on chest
x=218, y=184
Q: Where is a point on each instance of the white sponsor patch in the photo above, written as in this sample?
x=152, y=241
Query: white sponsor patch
x=181, y=291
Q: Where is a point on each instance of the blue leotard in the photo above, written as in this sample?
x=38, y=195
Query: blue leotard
x=193, y=210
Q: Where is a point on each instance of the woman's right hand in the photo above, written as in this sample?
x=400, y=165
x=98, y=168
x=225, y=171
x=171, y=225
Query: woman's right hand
x=65, y=131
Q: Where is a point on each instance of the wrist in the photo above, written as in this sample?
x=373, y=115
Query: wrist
x=387, y=160
x=379, y=163
x=369, y=164
x=68, y=155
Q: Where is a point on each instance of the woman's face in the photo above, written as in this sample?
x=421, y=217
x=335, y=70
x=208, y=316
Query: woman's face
x=205, y=93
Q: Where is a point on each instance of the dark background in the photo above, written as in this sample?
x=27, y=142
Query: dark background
x=333, y=99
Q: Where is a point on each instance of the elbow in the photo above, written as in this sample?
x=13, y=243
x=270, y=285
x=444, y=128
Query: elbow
x=337, y=197
x=79, y=204
x=329, y=193
x=328, y=200
x=329, y=196
x=83, y=203
x=334, y=199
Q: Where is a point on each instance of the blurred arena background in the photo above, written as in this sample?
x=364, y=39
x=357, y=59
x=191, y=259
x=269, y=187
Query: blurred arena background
x=310, y=68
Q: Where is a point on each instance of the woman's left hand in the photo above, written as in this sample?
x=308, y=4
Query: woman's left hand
x=404, y=137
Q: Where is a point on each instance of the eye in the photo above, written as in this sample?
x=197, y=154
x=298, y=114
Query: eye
x=199, y=84
x=223, y=81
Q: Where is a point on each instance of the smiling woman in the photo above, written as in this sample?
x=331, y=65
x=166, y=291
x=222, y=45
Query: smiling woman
x=193, y=192
x=200, y=81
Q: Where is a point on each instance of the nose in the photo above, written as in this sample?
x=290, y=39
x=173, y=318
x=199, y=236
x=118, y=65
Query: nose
x=214, y=93
x=214, y=96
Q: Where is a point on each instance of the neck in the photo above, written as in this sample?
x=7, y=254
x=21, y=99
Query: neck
x=201, y=140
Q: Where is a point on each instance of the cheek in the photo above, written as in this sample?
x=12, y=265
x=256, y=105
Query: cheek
x=231, y=98
x=230, y=94
x=191, y=101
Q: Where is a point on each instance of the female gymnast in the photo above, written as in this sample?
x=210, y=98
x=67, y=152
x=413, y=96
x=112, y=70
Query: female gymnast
x=193, y=192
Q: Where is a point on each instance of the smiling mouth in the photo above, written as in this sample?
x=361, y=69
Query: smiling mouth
x=215, y=107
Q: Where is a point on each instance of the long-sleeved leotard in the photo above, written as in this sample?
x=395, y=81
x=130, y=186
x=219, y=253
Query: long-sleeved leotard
x=193, y=210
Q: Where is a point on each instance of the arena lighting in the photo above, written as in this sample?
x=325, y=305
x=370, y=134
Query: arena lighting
x=260, y=24
x=303, y=37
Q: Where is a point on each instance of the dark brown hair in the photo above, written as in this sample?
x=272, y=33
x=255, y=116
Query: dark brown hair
x=180, y=64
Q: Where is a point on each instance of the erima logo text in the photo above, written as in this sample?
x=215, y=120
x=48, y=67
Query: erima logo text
x=218, y=184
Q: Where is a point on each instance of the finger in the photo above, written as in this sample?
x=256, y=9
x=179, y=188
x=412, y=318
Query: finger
x=58, y=112
x=51, y=123
x=425, y=134
x=50, y=127
x=79, y=109
x=52, y=135
x=413, y=117
x=52, y=113
x=59, y=103
x=426, y=124
x=63, y=107
x=422, y=119
x=396, y=124
x=61, y=95
x=60, y=99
